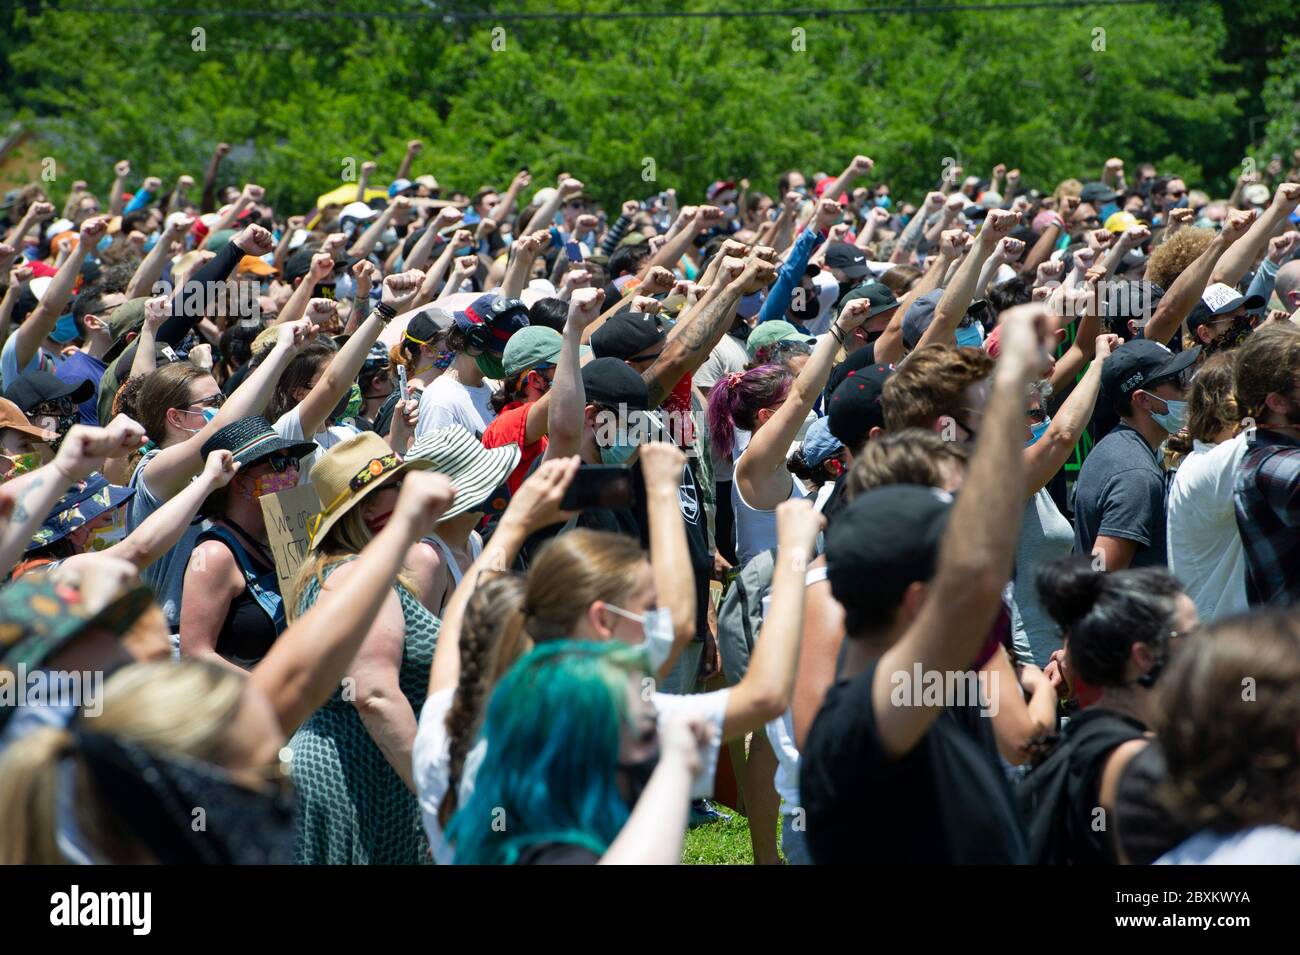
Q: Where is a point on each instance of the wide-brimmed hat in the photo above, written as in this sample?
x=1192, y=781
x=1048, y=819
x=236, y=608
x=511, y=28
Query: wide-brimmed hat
x=252, y=439
x=11, y=416
x=475, y=471
x=349, y=471
x=39, y=614
x=86, y=501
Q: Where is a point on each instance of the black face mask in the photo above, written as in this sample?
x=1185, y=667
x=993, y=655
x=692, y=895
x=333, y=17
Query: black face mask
x=635, y=777
x=155, y=798
x=812, y=306
x=1236, y=334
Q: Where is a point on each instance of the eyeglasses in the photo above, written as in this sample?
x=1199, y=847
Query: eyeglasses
x=1175, y=194
x=211, y=401
x=1036, y=415
x=57, y=408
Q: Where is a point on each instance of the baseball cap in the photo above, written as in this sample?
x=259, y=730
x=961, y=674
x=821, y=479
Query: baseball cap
x=878, y=294
x=428, y=325
x=490, y=320
x=627, y=335
x=37, y=387
x=398, y=187
x=1136, y=364
x=889, y=536
x=820, y=190
x=357, y=210
x=849, y=259
x=855, y=408
x=1256, y=194
x=818, y=443
x=253, y=265
x=717, y=187
x=1095, y=192
x=918, y=317
x=768, y=333
x=530, y=347
x=1220, y=299
x=1119, y=221
x=612, y=383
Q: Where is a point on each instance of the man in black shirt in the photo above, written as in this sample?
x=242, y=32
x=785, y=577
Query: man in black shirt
x=889, y=775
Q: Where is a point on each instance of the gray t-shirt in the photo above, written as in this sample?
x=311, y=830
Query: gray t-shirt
x=1121, y=493
x=166, y=575
x=1045, y=536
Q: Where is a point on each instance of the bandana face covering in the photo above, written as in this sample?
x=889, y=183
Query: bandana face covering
x=154, y=797
x=274, y=483
x=490, y=365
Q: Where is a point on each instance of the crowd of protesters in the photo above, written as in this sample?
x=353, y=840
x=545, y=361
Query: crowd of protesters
x=959, y=529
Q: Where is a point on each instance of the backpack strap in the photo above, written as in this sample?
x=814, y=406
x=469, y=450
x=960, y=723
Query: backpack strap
x=263, y=586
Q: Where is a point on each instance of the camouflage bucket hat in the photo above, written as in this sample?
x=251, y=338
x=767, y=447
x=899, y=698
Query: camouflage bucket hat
x=86, y=501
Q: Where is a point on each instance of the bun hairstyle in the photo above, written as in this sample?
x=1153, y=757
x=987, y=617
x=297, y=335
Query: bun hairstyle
x=1104, y=614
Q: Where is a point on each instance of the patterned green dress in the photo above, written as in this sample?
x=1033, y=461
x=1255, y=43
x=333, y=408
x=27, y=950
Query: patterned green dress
x=353, y=809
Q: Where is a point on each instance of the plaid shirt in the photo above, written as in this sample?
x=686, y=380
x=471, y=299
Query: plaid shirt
x=1266, y=497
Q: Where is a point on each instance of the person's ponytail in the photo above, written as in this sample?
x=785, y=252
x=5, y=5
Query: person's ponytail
x=29, y=781
x=736, y=400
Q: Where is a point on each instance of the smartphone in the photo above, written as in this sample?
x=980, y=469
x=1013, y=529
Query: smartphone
x=573, y=252
x=607, y=486
x=401, y=383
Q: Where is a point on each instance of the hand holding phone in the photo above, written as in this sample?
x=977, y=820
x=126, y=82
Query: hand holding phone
x=602, y=486
x=401, y=382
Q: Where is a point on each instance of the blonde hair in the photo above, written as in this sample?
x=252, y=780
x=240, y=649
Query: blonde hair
x=346, y=539
x=572, y=572
x=182, y=709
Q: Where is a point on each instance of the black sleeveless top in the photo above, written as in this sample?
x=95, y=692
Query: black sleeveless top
x=248, y=631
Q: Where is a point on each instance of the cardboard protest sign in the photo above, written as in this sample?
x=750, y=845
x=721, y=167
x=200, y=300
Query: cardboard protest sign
x=289, y=517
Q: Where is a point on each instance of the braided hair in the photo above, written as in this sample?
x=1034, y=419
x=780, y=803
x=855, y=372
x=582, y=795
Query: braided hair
x=492, y=638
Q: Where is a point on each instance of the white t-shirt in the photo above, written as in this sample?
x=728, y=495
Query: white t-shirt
x=447, y=402
x=431, y=754
x=727, y=356
x=1205, y=549
x=289, y=427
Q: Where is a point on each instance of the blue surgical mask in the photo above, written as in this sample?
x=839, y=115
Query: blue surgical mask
x=884, y=202
x=208, y=415
x=968, y=336
x=618, y=454
x=1175, y=419
x=65, y=329
x=1038, y=430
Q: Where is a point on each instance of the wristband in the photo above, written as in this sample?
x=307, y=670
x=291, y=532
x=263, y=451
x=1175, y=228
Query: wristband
x=385, y=312
x=837, y=333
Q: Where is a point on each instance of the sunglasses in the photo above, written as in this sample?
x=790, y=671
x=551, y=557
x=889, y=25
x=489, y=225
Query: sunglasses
x=1176, y=194
x=281, y=463
x=211, y=401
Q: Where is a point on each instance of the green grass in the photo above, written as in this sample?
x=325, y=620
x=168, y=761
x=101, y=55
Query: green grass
x=720, y=843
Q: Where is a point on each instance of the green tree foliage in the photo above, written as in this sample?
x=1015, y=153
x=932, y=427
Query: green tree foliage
x=1054, y=92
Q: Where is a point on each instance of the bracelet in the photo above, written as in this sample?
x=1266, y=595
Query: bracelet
x=385, y=311
x=836, y=333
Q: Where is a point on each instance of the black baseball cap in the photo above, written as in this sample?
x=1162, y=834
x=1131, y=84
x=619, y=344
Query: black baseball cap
x=627, y=335
x=887, y=538
x=1136, y=364
x=1095, y=192
x=611, y=383
x=855, y=407
x=34, y=388
x=878, y=294
x=848, y=258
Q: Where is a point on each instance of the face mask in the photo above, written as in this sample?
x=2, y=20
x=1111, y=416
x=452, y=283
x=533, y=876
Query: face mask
x=61, y=425
x=968, y=336
x=274, y=483
x=636, y=776
x=618, y=454
x=344, y=408
x=104, y=244
x=443, y=360
x=1175, y=419
x=657, y=625
x=20, y=464
x=729, y=210
x=208, y=415
x=884, y=202
x=812, y=305
x=490, y=365
x=65, y=329
x=1233, y=337
x=344, y=287
x=1038, y=429
x=102, y=538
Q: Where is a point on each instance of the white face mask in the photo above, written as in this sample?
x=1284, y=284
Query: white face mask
x=657, y=625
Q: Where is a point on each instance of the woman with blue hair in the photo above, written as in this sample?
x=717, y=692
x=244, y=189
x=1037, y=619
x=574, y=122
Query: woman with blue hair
x=576, y=771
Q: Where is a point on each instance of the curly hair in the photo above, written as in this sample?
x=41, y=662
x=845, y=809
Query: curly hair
x=1173, y=255
x=1211, y=408
x=931, y=384
x=1228, y=708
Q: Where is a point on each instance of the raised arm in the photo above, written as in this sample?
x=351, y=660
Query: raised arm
x=40, y=323
x=252, y=193
x=961, y=292
x=209, y=201
x=1049, y=453
x=1181, y=297
x=26, y=500
x=1239, y=259
x=661, y=464
x=859, y=166
x=980, y=542
x=151, y=266
x=121, y=170
x=761, y=475
x=307, y=662
x=765, y=692
x=412, y=150
x=566, y=401
x=423, y=248
x=370, y=238
x=535, y=505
